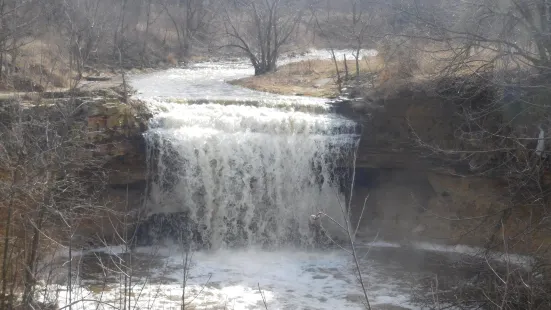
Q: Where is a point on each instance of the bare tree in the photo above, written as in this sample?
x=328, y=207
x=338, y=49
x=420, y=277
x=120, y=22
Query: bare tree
x=17, y=17
x=350, y=230
x=490, y=68
x=359, y=27
x=53, y=186
x=191, y=19
x=148, y=12
x=86, y=25
x=260, y=29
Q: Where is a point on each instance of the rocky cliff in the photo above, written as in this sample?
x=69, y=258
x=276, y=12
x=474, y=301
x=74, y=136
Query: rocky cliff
x=101, y=146
x=428, y=180
x=420, y=182
x=115, y=129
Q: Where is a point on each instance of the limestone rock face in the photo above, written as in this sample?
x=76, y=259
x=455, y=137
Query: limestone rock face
x=415, y=191
x=106, y=136
x=115, y=135
x=115, y=130
x=395, y=128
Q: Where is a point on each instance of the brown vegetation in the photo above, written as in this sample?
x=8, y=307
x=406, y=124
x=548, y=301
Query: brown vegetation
x=260, y=30
x=57, y=165
x=53, y=44
x=315, y=78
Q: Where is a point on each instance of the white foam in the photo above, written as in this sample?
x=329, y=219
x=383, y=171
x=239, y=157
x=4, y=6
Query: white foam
x=247, y=167
x=208, y=81
x=289, y=279
x=515, y=259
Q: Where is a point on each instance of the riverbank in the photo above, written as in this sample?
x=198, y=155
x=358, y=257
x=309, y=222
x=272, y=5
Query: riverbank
x=313, y=78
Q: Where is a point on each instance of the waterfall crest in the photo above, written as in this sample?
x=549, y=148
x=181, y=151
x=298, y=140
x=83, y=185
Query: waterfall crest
x=241, y=174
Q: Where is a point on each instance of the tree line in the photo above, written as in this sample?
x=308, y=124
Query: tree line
x=143, y=32
x=82, y=35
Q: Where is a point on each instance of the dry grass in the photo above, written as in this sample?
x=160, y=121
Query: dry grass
x=37, y=66
x=423, y=60
x=387, y=71
x=172, y=59
x=315, y=78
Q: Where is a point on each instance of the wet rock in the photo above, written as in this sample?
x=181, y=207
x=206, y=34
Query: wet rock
x=115, y=130
x=176, y=227
x=97, y=78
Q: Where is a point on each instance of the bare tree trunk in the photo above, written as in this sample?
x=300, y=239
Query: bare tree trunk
x=14, y=46
x=128, y=252
x=2, y=37
x=336, y=63
x=186, y=31
x=263, y=68
x=70, y=266
x=146, y=34
x=1, y=60
x=178, y=32
x=345, y=68
x=357, y=58
x=119, y=32
x=5, y=261
x=30, y=268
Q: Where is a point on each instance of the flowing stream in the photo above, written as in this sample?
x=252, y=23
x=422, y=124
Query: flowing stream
x=242, y=172
x=244, y=168
x=239, y=173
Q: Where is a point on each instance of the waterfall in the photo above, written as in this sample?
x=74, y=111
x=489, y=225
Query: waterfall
x=233, y=173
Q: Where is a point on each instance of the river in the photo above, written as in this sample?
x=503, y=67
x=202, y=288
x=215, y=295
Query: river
x=250, y=168
x=247, y=169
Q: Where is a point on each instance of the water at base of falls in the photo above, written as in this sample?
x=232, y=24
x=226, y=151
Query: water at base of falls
x=238, y=174
x=239, y=171
x=233, y=279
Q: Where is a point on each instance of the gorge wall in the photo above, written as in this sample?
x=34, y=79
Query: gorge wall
x=419, y=178
x=415, y=191
x=103, y=135
x=116, y=128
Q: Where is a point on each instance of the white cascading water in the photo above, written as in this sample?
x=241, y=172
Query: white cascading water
x=246, y=168
x=247, y=175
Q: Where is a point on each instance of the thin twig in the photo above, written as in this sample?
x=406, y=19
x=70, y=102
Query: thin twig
x=263, y=297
